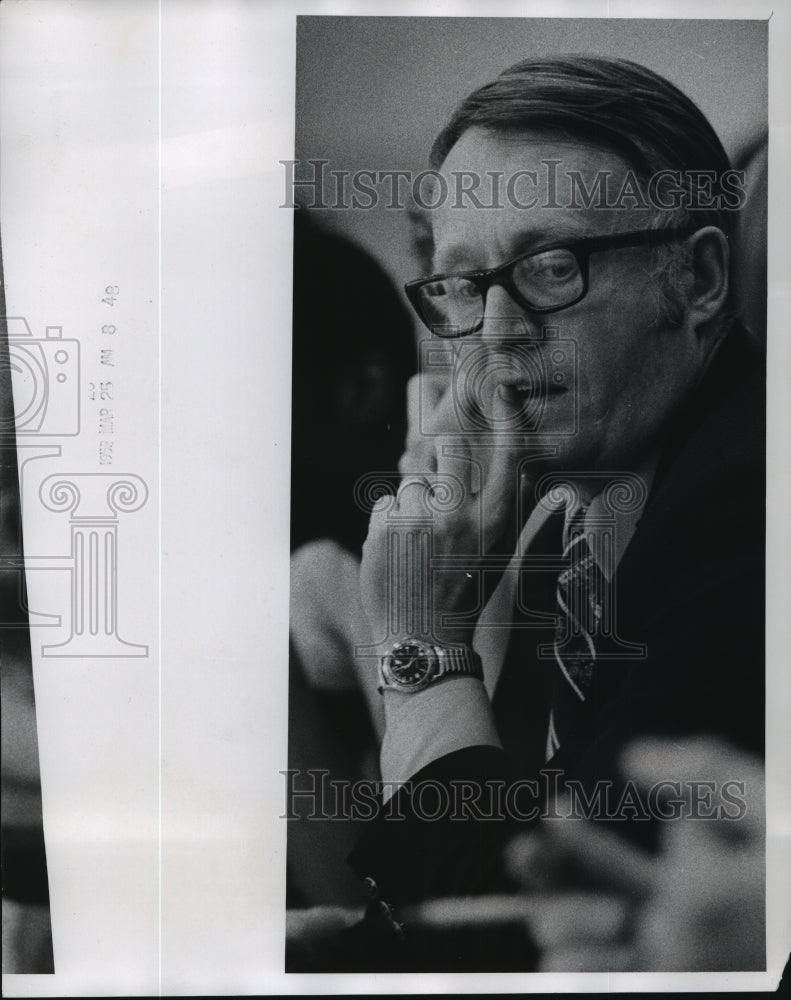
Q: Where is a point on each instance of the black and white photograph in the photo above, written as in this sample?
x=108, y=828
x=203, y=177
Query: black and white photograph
x=528, y=495
x=395, y=467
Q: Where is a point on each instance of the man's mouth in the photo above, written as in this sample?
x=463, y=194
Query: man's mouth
x=524, y=398
x=523, y=382
x=531, y=388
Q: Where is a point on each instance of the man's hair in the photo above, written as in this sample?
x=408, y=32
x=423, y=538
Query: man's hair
x=611, y=103
x=617, y=105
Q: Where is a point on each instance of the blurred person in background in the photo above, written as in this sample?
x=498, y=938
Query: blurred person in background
x=353, y=354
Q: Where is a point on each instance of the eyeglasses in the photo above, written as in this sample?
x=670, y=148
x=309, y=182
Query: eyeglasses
x=543, y=281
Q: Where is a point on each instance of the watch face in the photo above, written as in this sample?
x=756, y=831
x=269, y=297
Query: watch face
x=411, y=665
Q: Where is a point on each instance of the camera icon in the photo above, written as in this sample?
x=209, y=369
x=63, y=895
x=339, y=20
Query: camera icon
x=45, y=378
x=536, y=376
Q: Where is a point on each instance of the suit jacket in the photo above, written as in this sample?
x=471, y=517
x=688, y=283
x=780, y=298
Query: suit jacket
x=690, y=589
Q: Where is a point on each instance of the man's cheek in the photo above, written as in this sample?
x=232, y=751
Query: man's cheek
x=586, y=389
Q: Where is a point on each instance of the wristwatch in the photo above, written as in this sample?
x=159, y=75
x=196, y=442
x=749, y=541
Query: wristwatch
x=413, y=664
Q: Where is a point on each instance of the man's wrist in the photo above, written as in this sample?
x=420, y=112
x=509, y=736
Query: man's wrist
x=437, y=721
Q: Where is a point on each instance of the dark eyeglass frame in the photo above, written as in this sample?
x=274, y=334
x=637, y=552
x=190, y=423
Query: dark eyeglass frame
x=502, y=275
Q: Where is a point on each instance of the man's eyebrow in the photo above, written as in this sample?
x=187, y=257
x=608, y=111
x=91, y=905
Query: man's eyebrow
x=460, y=258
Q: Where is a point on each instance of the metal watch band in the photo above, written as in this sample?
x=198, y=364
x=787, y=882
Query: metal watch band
x=458, y=661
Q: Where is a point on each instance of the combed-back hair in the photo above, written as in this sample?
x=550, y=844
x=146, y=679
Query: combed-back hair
x=613, y=103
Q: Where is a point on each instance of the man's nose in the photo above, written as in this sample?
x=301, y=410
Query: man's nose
x=505, y=319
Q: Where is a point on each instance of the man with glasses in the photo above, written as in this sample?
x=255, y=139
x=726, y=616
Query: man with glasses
x=596, y=454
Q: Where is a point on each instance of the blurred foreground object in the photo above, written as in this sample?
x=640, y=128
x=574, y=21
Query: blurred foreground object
x=594, y=903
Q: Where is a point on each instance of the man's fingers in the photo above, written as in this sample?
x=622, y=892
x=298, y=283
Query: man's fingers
x=714, y=779
x=502, y=486
x=419, y=459
x=430, y=407
x=412, y=492
x=536, y=861
x=607, y=856
x=468, y=911
x=696, y=758
x=577, y=917
x=604, y=856
x=383, y=504
x=423, y=392
x=553, y=920
x=454, y=459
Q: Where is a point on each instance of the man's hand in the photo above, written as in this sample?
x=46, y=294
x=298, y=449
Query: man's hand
x=696, y=905
x=424, y=393
x=425, y=547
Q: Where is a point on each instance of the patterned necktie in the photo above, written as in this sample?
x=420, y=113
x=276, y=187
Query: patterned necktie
x=524, y=695
x=580, y=596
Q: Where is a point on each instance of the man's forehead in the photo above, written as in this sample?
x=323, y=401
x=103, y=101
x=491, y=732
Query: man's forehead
x=488, y=148
x=509, y=191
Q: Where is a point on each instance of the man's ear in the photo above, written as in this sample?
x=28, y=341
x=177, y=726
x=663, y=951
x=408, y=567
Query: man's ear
x=709, y=289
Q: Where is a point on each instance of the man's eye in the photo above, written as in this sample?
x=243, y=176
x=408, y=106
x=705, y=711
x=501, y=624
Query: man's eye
x=467, y=290
x=456, y=288
x=434, y=290
x=555, y=267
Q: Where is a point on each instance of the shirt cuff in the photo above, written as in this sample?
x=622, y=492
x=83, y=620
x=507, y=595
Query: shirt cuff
x=425, y=726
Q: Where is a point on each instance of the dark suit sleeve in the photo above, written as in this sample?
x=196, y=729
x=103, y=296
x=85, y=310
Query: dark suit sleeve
x=405, y=856
x=411, y=856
